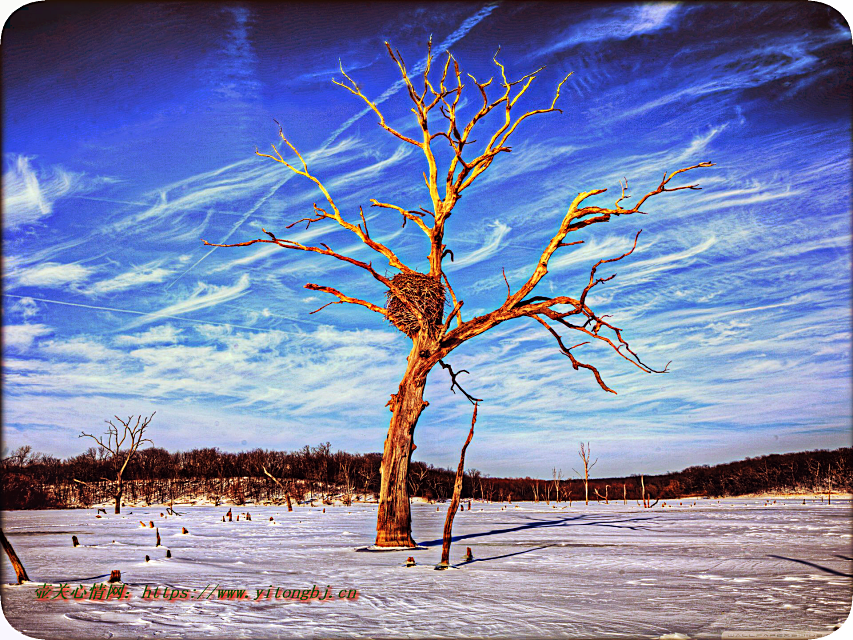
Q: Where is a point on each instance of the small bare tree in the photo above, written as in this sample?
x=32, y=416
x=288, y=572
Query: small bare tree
x=557, y=475
x=115, y=441
x=535, y=487
x=584, y=453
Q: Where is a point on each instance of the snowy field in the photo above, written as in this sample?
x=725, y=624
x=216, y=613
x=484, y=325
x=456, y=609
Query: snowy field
x=583, y=571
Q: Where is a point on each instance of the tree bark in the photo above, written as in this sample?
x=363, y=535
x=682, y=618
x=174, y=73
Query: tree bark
x=394, y=521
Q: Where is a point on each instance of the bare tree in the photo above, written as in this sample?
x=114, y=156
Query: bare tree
x=557, y=478
x=417, y=473
x=584, y=453
x=409, y=307
x=534, y=485
x=115, y=440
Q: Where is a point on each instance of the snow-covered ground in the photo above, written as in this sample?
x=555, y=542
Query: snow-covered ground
x=582, y=571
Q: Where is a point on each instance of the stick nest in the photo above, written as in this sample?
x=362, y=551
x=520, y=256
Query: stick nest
x=424, y=293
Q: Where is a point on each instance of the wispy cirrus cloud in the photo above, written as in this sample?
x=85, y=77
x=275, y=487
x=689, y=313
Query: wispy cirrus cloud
x=137, y=276
x=622, y=23
x=29, y=192
x=203, y=296
x=491, y=246
x=51, y=275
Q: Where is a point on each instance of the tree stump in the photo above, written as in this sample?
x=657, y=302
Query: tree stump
x=229, y=515
x=184, y=530
x=147, y=558
x=248, y=516
x=469, y=557
x=20, y=572
x=410, y=562
x=74, y=541
x=151, y=524
x=168, y=553
x=157, y=531
x=115, y=576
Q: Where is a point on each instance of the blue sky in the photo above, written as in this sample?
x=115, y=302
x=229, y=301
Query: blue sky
x=129, y=134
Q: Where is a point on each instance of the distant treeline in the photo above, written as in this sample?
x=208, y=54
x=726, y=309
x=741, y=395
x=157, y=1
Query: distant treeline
x=155, y=476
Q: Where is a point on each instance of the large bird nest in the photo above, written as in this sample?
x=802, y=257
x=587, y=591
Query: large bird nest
x=421, y=292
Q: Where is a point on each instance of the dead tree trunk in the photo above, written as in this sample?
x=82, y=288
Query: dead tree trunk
x=585, y=455
x=20, y=572
x=119, y=491
x=454, y=501
x=393, y=525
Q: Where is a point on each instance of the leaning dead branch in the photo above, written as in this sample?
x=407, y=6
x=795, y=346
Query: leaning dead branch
x=20, y=572
x=280, y=484
x=454, y=501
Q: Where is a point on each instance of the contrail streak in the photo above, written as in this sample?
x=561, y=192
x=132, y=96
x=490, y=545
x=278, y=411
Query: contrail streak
x=143, y=313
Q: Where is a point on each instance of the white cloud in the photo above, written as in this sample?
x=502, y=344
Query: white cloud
x=29, y=193
x=204, y=296
x=27, y=307
x=154, y=335
x=52, y=274
x=621, y=25
x=21, y=336
x=492, y=244
x=135, y=277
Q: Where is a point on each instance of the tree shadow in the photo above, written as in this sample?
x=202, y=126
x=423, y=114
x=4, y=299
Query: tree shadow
x=843, y=557
x=96, y=578
x=816, y=566
x=506, y=555
x=579, y=520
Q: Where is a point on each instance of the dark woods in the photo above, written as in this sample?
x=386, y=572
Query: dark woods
x=156, y=476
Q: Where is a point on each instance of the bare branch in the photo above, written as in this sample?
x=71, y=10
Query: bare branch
x=455, y=383
x=571, y=222
x=356, y=90
x=414, y=216
x=323, y=250
x=453, y=312
x=568, y=353
x=456, y=305
x=344, y=298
